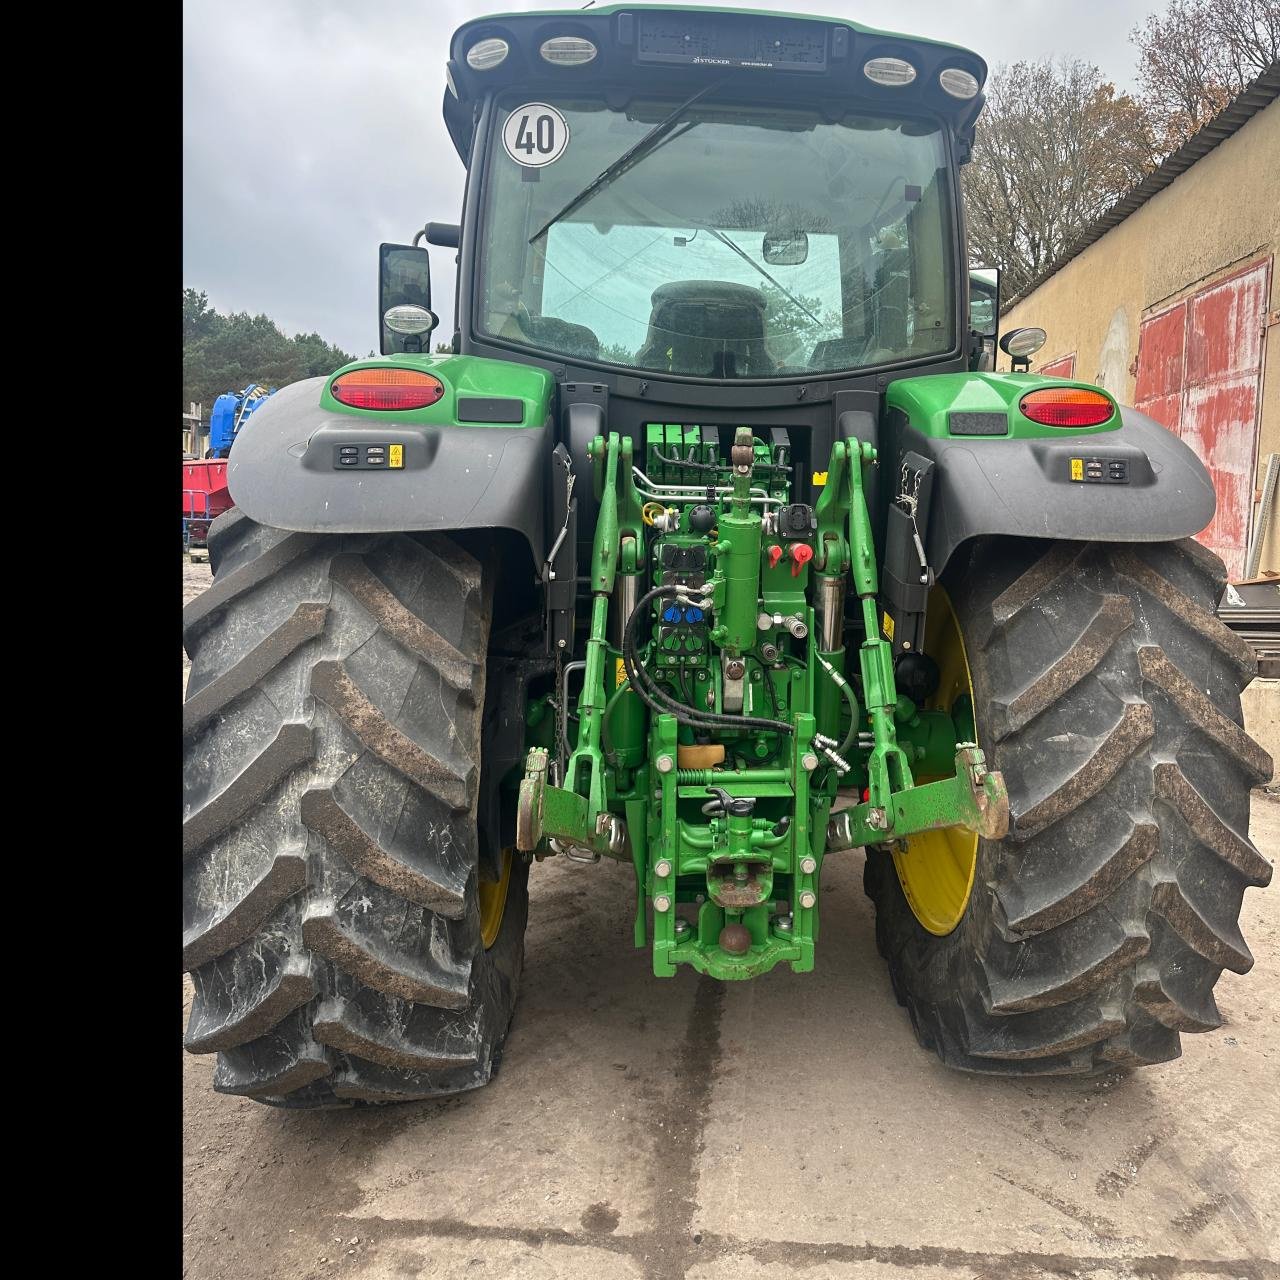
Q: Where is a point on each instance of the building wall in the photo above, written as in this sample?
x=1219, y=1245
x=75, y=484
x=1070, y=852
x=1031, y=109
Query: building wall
x=1220, y=215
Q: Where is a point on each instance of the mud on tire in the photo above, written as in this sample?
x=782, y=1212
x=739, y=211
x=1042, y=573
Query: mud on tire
x=1108, y=693
x=331, y=771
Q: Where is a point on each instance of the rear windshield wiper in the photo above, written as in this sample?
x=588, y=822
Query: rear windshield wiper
x=632, y=156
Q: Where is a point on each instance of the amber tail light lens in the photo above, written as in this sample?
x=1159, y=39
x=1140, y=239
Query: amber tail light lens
x=1066, y=407
x=386, y=389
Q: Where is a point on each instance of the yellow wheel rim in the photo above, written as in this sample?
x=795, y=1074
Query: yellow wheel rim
x=493, y=901
x=936, y=872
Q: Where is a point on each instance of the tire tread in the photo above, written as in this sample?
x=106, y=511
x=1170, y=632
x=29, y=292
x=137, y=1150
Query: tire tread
x=332, y=738
x=1098, y=928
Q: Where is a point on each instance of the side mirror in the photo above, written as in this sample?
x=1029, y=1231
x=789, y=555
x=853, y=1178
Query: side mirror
x=1021, y=344
x=786, y=249
x=405, y=318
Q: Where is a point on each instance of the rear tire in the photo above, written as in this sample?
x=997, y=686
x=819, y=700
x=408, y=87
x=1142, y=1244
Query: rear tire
x=332, y=922
x=1108, y=693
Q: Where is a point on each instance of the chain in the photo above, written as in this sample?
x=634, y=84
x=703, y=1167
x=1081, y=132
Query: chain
x=548, y=570
x=909, y=501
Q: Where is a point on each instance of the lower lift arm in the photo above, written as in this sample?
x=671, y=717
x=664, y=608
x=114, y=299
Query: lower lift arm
x=975, y=798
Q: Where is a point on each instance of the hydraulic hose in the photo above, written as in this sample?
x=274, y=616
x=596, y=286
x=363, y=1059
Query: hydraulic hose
x=608, y=711
x=846, y=691
x=682, y=675
x=660, y=702
x=767, y=680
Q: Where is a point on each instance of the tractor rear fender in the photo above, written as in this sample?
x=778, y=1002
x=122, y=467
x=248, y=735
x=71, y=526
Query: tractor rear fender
x=476, y=459
x=1127, y=480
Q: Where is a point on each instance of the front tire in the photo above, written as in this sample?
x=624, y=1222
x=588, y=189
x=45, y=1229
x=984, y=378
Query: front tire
x=333, y=922
x=1108, y=693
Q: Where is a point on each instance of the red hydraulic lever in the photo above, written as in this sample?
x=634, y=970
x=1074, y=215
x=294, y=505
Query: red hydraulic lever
x=775, y=554
x=801, y=554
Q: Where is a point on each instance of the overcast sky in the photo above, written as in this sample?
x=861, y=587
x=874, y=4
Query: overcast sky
x=312, y=131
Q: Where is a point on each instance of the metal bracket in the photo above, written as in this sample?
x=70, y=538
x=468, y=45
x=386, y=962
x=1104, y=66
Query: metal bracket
x=561, y=818
x=975, y=798
x=529, y=803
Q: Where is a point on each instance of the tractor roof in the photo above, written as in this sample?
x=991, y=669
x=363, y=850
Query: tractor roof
x=675, y=48
x=609, y=9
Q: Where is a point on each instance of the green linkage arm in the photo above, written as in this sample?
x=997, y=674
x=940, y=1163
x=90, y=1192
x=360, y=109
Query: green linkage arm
x=618, y=522
x=843, y=506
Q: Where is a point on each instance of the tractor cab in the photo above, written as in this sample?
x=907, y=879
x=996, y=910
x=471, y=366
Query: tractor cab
x=710, y=196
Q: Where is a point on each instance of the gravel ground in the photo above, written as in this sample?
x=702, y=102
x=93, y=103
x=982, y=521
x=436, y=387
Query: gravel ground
x=196, y=577
x=790, y=1126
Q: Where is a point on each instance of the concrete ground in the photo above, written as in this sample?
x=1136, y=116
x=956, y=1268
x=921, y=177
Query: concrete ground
x=786, y=1127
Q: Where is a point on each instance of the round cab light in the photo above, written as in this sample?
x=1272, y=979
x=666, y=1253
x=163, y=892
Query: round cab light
x=484, y=55
x=568, y=51
x=1066, y=407
x=1023, y=343
x=890, y=71
x=959, y=84
x=386, y=389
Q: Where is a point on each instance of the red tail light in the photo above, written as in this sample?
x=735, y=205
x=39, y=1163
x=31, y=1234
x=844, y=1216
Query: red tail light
x=1066, y=407
x=386, y=389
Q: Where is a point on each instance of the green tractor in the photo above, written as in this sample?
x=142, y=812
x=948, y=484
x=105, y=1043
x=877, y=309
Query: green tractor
x=714, y=546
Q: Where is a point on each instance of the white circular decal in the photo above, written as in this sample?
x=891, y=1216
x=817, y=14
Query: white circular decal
x=535, y=134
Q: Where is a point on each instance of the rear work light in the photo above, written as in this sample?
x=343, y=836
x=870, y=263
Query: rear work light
x=959, y=83
x=484, y=55
x=568, y=51
x=386, y=389
x=889, y=71
x=1066, y=407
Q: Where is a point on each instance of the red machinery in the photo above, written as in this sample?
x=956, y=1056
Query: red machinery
x=204, y=497
x=204, y=480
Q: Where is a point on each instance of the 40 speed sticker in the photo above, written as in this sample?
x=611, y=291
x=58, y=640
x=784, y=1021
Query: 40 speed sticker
x=535, y=134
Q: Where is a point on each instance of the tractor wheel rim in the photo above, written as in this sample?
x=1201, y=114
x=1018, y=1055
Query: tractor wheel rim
x=493, y=901
x=937, y=870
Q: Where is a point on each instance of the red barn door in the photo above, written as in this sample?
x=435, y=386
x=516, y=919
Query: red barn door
x=1062, y=367
x=1199, y=373
x=1161, y=365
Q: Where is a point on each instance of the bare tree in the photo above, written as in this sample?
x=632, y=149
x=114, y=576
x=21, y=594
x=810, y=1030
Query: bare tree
x=1056, y=146
x=1197, y=55
x=753, y=213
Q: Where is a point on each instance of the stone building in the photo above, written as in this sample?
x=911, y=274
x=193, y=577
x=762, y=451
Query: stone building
x=1171, y=301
